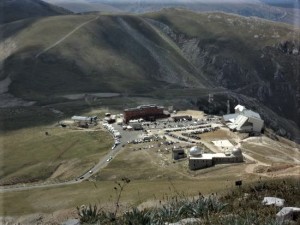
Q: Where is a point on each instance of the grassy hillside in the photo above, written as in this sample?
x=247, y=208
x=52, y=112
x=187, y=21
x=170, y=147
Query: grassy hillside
x=94, y=58
x=155, y=54
x=12, y=10
x=62, y=154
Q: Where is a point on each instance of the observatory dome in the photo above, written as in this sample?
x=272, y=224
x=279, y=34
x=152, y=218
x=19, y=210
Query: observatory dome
x=195, y=151
x=237, y=152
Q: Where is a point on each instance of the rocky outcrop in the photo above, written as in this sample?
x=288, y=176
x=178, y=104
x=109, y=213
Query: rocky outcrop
x=269, y=74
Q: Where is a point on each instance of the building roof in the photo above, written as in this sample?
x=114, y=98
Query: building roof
x=210, y=156
x=229, y=117
x=177, y=149
x=195, y=151
x=239, y=122
x=236, y=151
x=81, y=118
x=250, y=113
x=239, y=108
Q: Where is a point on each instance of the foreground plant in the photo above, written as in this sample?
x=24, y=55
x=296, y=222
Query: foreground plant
x=89, y=214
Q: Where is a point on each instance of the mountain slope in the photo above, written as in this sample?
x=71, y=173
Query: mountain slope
x=94, y=53
x=252, y=57
x=167, y=53
x=12, y=10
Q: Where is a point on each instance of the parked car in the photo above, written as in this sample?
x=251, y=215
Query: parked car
x=110, y=158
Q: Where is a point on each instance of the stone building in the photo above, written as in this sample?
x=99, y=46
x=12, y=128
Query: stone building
x=199, y=160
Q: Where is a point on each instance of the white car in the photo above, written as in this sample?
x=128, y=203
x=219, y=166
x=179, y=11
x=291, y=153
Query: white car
x=110, y=158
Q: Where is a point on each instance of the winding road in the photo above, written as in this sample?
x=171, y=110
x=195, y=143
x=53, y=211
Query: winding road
x=103, y=162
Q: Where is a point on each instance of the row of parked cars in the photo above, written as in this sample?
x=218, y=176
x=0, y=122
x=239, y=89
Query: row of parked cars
x=190, y=135
x=179, y=137
x=115, y=133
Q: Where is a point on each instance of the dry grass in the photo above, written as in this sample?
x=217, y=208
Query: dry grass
x=270, y=151
x=219, y=134
x=153, y=176
x=31, y=155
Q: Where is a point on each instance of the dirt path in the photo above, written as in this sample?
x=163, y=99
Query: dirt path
x=66, y=36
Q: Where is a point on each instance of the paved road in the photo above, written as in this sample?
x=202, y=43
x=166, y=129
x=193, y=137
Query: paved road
x=103, y=162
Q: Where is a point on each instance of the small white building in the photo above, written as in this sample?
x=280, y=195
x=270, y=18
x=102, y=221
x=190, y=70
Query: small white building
x=239, y=108
x=84, y=121
x=199, y=160
x=81, y=118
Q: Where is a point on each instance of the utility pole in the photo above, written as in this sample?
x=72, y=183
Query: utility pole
x=228, y=107
x=210, y=100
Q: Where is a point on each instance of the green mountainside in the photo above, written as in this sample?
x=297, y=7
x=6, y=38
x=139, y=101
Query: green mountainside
x=108, y=53
x=12, y=10
x=173, y=53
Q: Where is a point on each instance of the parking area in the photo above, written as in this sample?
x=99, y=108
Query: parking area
x=182, y=130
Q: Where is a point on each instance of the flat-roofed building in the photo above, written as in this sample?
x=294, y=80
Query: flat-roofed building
x=146, y=112
x=199, y=160
x=178, y=153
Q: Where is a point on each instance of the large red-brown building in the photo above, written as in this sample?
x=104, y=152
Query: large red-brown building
x=146, y=112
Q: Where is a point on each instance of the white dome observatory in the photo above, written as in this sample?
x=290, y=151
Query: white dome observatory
x=195, y=151
x=237, y=151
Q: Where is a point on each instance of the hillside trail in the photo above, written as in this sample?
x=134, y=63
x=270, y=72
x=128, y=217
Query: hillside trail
x=66, y=36
x=250, y=168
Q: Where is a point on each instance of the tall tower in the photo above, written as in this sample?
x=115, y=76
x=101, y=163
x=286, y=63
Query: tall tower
x=228, y=107
x=210, y=100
